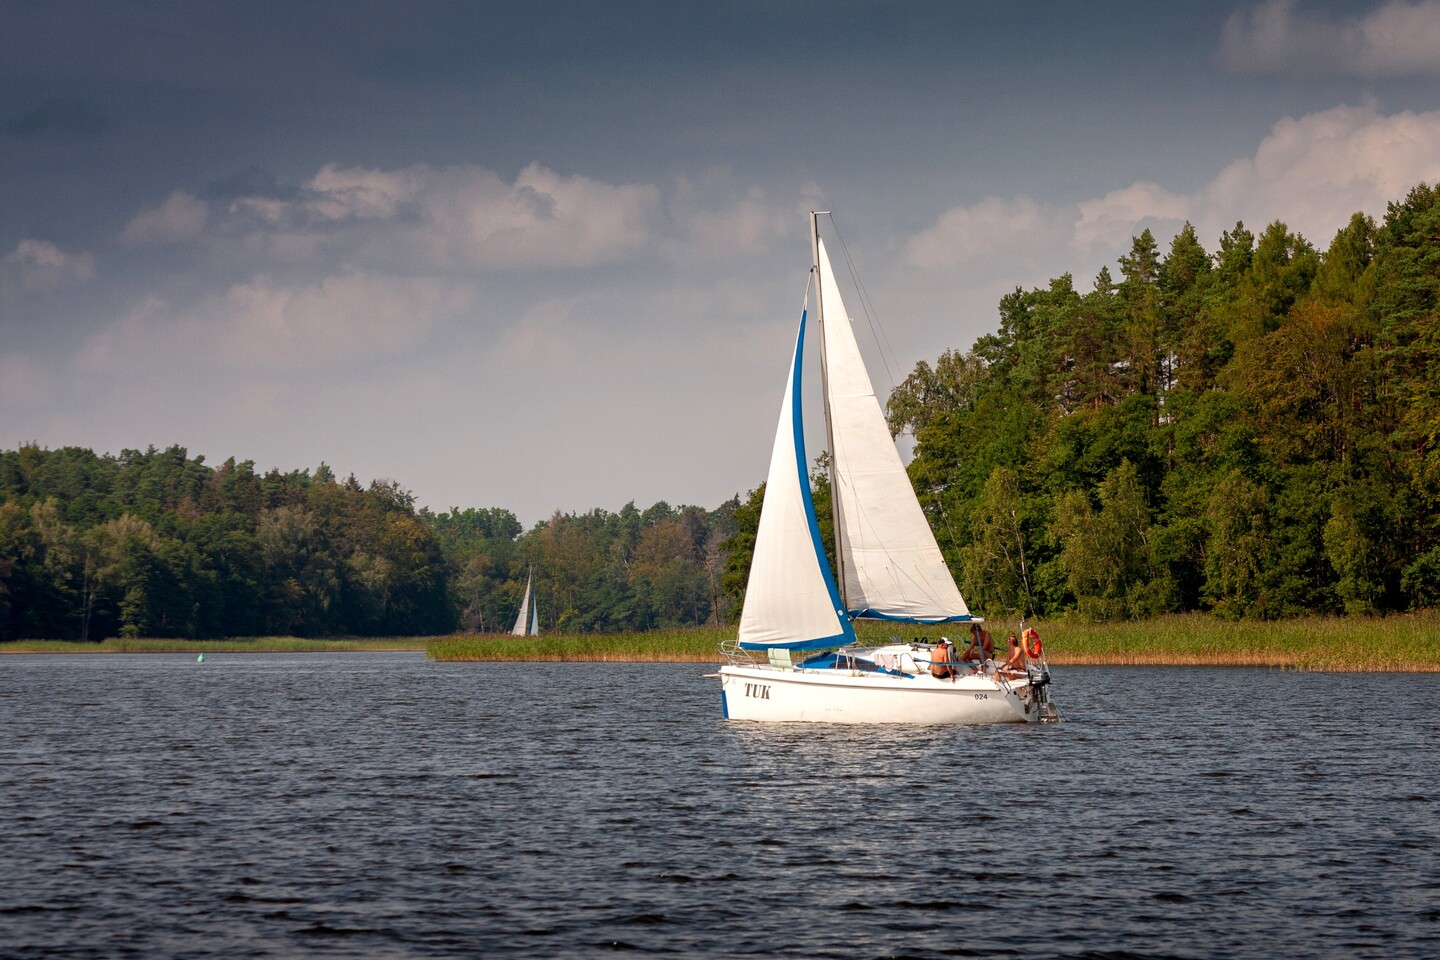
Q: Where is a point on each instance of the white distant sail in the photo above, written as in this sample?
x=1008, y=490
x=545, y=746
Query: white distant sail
x=893, y=566
x=528, y=622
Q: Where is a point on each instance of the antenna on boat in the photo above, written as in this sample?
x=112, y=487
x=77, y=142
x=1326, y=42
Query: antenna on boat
x=825, y=395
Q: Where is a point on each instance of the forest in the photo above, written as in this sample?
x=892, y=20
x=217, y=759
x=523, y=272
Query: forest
x=160, y=544
x=1250, y=431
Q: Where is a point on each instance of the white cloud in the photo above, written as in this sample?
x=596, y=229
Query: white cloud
x=339, y=193
x=426, y=220
x=722, y=229
x=992, y=226
x=38, y=266
x=181, y=217
x=1395, y=38
x=1316, y=171
x=341, y=318
x=1312, y=173
x=468, y=217
x=146, y=337
x=262, y=327
x=1114, y=218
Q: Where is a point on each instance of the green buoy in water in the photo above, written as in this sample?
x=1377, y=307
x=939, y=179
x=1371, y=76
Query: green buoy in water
x=200, y=659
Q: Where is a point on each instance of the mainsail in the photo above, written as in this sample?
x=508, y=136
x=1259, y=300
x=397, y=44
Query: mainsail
x=892, y=565
x=791, y=600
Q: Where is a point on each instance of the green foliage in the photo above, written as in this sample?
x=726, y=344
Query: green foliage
x=927, y=394
x=1107, y=554
x=1254, y=432
x=998, y=567
x=158, y=544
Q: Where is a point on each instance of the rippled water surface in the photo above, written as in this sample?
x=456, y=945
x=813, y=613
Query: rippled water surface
x=380, y=805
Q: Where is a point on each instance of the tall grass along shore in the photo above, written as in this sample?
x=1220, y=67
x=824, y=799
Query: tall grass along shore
x=1406, y=643
x=1402, y=643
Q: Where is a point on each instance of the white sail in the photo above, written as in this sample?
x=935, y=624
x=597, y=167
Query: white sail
x=892, y=565
x=525, y=618
x=791, y=599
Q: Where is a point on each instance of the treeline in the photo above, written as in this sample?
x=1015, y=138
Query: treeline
x=158, y=543
x=1251, y=430
x=596, y=572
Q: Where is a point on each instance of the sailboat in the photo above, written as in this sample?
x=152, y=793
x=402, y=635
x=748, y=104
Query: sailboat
x=888, y=567
x=528, y=622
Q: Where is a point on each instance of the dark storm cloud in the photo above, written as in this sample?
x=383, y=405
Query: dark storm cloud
x=60, y=115
x=575, y=198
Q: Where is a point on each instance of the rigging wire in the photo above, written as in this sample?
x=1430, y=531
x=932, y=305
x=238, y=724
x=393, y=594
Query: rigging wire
x=937, y=492
x=867, y=307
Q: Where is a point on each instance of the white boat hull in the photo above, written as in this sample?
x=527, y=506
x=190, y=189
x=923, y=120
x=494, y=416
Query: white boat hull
x=768, y=693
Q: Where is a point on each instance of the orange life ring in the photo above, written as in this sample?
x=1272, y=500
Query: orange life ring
x=1033, y=649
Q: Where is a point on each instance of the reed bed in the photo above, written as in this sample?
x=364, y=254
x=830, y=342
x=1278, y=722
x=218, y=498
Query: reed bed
x=691, y=645
x=699, y=645
x=1408, y=643
x=1402, y=643
x=232, y=645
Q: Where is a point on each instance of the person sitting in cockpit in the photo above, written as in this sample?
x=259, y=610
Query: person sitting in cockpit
x=941, y=665
x=980, y=648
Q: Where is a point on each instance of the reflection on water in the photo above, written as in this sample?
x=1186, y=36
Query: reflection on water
x=381, y=805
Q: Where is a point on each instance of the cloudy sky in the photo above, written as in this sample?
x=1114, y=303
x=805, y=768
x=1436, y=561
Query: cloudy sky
x=549, y=255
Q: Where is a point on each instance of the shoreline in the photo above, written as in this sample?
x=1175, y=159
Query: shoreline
x=1218, y=661
x=1406, y=643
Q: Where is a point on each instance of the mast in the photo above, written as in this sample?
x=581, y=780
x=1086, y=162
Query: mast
x=825, y=395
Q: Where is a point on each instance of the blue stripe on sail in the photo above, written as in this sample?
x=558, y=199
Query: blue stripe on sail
x=797, y=431
x=819, y=643
x=847, y=632
x=869, y=614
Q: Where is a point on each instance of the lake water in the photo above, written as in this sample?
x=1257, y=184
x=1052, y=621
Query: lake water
x=380, y=805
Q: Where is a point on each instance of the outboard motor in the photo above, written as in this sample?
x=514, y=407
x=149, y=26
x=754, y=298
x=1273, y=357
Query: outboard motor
x=1039, y=676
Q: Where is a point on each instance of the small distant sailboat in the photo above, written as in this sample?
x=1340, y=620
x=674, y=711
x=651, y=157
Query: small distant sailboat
x=528, y=622
x=888, y=564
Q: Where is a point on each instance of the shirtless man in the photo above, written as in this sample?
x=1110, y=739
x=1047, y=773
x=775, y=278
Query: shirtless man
x=940, y=667
x=981, y=646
